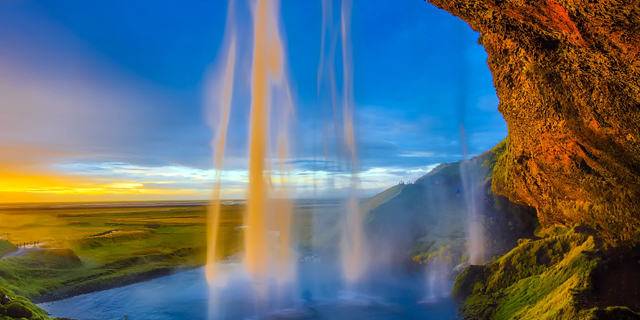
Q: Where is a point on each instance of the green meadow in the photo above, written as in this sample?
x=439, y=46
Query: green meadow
x=96, y=248
x=89, y=248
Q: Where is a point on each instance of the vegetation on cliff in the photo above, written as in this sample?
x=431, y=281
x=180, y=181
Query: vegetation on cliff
x=561, y=275
x=13, y=306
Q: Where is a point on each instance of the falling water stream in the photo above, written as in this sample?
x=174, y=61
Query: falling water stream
x=353, y=240
x=266, y=60
x=474, y=228
x=219, y=144
x=267, y=241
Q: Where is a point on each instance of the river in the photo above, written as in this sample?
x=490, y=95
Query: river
x=185, y=295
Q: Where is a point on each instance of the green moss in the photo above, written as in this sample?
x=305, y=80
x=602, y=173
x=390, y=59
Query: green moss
x=539, y=279
x=501, y=166
x=466, y=281
x=13, y=306
x=17, y=310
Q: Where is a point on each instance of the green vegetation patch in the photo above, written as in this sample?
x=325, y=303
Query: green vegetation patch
x=89, y=249
x=539, y=279
x=6, y=247
x=13, y=306
x=93, y=249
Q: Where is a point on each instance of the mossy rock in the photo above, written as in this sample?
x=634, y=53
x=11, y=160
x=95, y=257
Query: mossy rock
x=17, y=310
x=14, y=306
x=466, y=281
x=547, y=278
x=539, y=279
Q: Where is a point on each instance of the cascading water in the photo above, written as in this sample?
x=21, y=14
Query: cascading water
x=268, y=263
x=353, y=242
x=268, y=272
x=270, y=281
x=267, y=240
x=468, y=172
x=219, y=99
x=265, y=60
x=223, y=104
x=436, y=281
x=474, y=228
x=473, y=204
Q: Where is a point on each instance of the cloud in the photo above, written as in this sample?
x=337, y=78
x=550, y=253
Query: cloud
x=100, y=181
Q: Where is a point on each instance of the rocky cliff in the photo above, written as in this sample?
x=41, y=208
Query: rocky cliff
x=568, y=77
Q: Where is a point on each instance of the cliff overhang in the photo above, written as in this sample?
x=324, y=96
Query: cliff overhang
x=568, y=77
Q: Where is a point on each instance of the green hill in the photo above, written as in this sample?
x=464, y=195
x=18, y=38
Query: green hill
x=425, y=218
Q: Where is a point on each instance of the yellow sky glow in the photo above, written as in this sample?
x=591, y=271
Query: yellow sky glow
x=31, y=188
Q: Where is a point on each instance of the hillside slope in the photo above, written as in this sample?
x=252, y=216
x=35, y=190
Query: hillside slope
x=429, y=216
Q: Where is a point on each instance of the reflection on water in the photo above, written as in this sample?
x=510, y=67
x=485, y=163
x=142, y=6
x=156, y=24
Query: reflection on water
x=319, y=296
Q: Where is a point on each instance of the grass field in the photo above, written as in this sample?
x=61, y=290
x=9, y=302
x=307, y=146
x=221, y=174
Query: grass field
x=107, y=244
x=91, y=247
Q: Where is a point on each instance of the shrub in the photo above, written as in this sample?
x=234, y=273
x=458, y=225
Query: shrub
x=17, y=310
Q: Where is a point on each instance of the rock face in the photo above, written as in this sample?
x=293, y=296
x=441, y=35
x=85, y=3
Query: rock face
x=568, y=77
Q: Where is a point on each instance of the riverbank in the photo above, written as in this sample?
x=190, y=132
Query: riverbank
x=68, y=292
x=102, y=247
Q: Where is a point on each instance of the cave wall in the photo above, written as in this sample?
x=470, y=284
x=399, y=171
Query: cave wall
x=567, y=74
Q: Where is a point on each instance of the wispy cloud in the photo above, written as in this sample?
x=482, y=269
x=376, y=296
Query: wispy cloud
x=103, y=181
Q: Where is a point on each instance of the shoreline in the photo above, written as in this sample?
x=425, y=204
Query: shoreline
x=69, y=292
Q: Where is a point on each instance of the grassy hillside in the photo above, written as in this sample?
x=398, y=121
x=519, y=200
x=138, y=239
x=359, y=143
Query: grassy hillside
x=6, y=247
x=427, y=218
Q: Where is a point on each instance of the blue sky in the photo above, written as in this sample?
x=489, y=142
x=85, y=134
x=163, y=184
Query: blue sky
x=106, y=98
